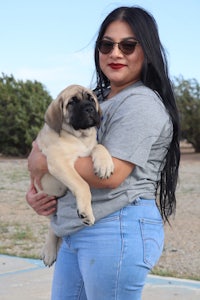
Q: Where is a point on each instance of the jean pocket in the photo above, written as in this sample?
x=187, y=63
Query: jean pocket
x=153, y=240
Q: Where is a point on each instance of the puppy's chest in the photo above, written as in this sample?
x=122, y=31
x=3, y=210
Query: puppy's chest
x=87, y=145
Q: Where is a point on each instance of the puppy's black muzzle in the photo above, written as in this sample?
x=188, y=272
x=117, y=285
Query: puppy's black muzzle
x=84, y=115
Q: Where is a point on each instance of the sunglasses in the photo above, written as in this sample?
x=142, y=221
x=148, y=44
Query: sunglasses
x=126, y=47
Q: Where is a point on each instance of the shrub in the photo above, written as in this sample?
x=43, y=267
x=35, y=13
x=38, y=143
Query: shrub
x=188, y=99
x=22, y=108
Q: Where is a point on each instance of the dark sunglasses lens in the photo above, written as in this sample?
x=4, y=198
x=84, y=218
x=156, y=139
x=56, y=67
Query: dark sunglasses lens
x=105, y=47
x=127, y=47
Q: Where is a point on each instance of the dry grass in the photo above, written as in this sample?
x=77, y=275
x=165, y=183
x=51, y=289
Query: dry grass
x=23, y=232
x=181, y=256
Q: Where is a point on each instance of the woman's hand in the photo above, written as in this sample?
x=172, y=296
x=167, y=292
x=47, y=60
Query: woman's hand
x=37, y=164
x=43, y=204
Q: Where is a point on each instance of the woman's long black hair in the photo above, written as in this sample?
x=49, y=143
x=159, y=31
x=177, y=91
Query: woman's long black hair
x=155, y=76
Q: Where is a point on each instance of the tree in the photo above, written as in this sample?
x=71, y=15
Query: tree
x=22, y=108
x=188, y=100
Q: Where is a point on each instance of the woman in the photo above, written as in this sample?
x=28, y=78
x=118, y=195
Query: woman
x=140, y=128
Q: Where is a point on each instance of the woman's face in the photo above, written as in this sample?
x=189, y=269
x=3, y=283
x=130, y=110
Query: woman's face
x=121, y=69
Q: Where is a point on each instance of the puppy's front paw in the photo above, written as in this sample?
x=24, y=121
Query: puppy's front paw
x=102, y=162
x=104, y=169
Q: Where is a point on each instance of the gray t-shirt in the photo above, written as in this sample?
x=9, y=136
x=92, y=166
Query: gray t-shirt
x=137, y=128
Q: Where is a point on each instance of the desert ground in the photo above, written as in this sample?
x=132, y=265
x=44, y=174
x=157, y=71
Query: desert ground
x=23, y=232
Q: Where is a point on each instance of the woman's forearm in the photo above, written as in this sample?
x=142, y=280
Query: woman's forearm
x=84, y=166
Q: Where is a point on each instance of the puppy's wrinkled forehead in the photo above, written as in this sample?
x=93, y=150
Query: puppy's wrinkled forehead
x=79, y=92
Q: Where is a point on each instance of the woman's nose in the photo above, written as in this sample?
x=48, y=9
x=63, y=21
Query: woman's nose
x=116, y=51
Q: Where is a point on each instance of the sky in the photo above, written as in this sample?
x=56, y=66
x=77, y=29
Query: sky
x=52, y=41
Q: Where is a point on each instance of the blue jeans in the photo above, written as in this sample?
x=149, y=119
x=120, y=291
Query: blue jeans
x=111, y=259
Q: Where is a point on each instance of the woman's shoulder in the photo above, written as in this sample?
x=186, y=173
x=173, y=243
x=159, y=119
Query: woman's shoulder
x=143, y=96
x=136, y=98
x=142, y=90
x=136, y=93
x=144, y=103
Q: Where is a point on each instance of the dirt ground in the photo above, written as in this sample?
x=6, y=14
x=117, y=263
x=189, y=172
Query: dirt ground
x=23, y=232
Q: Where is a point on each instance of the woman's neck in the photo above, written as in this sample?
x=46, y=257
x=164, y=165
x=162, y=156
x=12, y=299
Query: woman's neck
x=114, y=90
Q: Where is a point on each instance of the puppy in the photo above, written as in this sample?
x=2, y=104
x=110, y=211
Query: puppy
x=69, y=132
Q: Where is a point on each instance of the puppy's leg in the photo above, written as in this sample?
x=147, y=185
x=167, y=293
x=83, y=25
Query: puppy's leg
x=81, y=191
x=66, y=173
x=51, y=247
x=102, y=161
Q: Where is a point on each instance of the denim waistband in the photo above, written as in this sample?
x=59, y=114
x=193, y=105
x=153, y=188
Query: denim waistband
x=144, y=202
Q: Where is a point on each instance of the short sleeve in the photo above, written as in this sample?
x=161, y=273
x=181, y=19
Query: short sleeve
x=135, y=127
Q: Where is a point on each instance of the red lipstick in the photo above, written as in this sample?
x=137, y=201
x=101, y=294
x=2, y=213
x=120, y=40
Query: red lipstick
x=116, y=66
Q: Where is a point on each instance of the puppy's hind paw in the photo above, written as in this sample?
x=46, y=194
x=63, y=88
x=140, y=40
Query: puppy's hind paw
x=48, y=256
x=48, y=262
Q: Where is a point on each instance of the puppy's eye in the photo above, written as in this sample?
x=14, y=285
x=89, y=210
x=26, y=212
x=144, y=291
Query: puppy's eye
x=73, y=101
x=89, y=98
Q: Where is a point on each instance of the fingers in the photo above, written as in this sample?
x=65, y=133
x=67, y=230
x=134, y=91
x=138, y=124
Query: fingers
x=42, y=204
x=45, y=206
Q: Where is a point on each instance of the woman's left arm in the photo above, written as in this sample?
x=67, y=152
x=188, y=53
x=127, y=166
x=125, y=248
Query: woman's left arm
x=122, y=170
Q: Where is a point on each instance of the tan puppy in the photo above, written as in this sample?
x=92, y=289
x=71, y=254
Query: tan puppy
x=70, y=132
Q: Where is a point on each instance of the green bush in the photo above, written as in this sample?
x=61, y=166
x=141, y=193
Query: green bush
x=22, y=108
x=188, y=100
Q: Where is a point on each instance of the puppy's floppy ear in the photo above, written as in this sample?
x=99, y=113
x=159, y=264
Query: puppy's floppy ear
x=54, y=115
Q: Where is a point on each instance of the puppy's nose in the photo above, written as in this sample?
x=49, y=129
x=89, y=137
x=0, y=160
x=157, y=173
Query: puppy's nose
x=89, y=109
